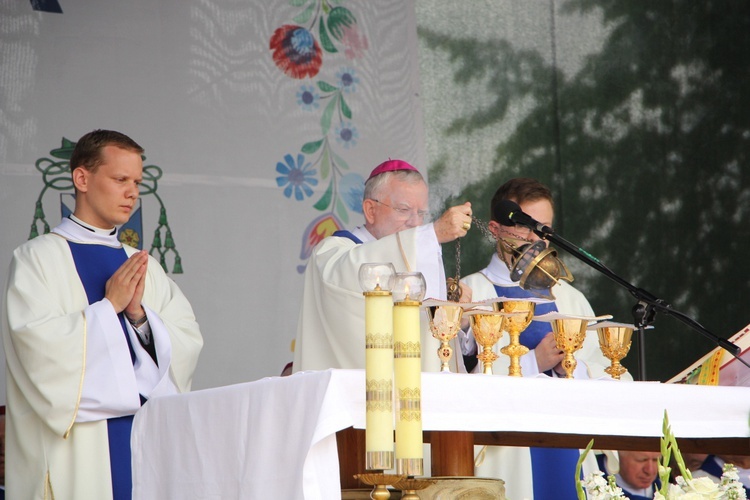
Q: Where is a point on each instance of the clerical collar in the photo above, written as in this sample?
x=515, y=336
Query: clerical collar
x=363, y=234
x=78, y=232
x=93, y=229
x=643, y=492
x=497, y=272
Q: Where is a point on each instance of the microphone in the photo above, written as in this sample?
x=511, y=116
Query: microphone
x=508, y=213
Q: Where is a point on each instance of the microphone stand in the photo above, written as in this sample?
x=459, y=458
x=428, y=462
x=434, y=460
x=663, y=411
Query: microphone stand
x=648, y=304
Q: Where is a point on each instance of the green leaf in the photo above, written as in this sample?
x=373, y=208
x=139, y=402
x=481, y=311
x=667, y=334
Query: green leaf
x=325, y=39
x=579, y=466
x=344, y=108
x=341, y=211
x=325, y=120
x=340, y=161
x=325, y=164
x=298, y=3
x=311, y=147
x=305, y=15
x=326, y=87
x=324, y=202
x=339, y=19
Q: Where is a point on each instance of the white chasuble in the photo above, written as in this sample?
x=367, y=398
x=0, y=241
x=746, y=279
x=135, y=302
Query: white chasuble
x=69, y=366
x=331, y=328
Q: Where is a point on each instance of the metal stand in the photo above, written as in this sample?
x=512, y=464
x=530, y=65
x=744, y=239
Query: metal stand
x=648, y=304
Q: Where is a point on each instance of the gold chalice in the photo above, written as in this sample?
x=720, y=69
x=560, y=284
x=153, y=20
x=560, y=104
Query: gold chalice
x=445, y=321
x=570, y=333
x=520, y=314
x=615, y=340
x=569, y=336
x=488, y=328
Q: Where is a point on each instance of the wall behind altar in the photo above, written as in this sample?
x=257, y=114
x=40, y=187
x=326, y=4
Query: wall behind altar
x=256, y=156
x=635, y=114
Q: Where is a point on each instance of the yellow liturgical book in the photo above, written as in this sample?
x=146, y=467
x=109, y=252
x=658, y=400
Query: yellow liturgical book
x=719, y=367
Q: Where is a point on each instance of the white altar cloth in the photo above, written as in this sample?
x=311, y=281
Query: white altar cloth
x=275, y=437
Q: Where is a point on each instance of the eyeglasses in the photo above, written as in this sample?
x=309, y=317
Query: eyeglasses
x=406, y=213
x=518, y=232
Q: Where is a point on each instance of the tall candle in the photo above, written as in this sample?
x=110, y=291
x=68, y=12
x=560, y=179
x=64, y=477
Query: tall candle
x=408, y=374
x=376, y=280
x=379, y=380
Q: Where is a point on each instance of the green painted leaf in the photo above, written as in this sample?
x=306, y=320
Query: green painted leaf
x=340, y=161
x=325, y=39
x=311, y=147
x=339, y=19
x=325, y=164
x=326, y=87
x=305, y=15
x=325, y=120
x=341, y=211
x=324, y=202
x=344, y=108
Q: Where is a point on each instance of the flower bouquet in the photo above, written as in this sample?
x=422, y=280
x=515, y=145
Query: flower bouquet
x=685, y=487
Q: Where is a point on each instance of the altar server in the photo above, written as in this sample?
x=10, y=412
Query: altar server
x=330, y=333
x=536, y=473
x=92, y=329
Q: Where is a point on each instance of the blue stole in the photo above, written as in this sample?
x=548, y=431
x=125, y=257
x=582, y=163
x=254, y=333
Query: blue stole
x=343, y=233
x=552, y=469
x=95, y=265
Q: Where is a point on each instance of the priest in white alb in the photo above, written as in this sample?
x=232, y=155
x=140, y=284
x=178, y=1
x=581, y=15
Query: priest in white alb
x=92, y=330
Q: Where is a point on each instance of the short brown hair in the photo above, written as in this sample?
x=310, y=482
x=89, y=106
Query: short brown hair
x=520, y=190
x=87, y=153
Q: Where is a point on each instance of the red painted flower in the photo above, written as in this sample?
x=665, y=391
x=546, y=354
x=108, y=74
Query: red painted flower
x=322, y=227
x=295, y=51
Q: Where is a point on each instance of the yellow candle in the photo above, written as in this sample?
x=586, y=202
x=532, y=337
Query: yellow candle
x=379, y=380
x=408, y=382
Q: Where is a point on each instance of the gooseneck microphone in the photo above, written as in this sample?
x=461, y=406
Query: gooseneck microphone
x=508, y=213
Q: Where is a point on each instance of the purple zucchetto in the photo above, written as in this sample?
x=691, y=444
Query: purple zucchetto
x=390, y=166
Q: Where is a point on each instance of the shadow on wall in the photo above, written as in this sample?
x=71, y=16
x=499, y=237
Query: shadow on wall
x=644, y=148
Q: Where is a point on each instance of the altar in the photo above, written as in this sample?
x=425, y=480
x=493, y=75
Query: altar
x=276, y=437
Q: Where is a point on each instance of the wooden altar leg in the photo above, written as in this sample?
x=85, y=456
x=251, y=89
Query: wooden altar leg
x=452, y=453
x=351, y=445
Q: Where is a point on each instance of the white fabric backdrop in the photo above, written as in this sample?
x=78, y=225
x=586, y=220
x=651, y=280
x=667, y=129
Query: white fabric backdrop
x=194, y=82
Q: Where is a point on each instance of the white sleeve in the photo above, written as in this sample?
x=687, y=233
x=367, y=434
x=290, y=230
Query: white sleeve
x=430, y=259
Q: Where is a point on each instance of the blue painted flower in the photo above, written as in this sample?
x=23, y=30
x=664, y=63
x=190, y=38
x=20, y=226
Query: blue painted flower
x=352, y=190
x=308, y=98
x=347, y=79
x=347, y=135
x=296, y=177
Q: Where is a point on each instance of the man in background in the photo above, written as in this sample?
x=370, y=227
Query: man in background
x=636, y=472
x=92, y=329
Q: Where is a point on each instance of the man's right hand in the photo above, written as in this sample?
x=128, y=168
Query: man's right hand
x=454, y=223
x=122, y=286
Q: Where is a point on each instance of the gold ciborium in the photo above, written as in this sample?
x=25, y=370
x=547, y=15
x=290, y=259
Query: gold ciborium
x=445, y=321
x=520, y=313
x=614, y=341
x=487, y=327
